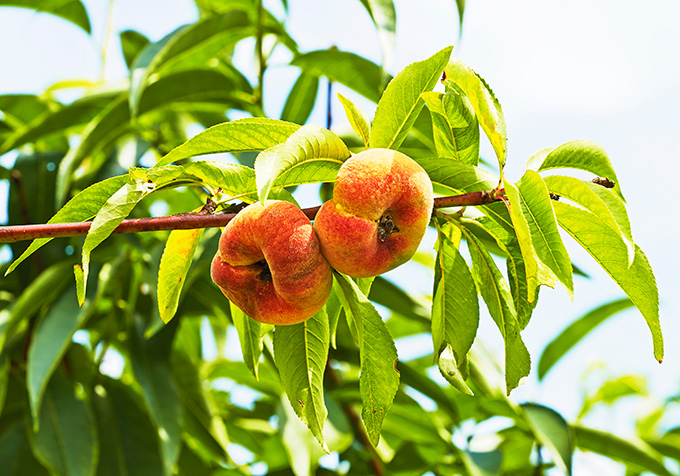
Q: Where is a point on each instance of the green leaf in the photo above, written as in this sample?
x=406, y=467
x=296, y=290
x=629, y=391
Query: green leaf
x=301, y=99
x=132, y=43
x=71, y=10
x=614, y=389
x=111, y=214
x=449, y=368
x=630, y=451
x=357, y=119
x=482, y=463
x=309, y=143
x=348, y=69
x=16, y=457
x=599, y=200
x=175, y=263
x=151, y=368
x=457, y=176
x=576, y=331
x=606, y=246
x=66, y=441
x=384, y=17
x=41, y=290
x=82, y=207
x=455, y=126
x=401, y=103
x=50, y=341
x=579, y=154
x=496, y=294
x=485, y=104
x=250, y=338
x=379, y=377
x=250, y=134
x=545, y=256
x=186, y=48
x=553, y=432
x=128, y=440
x=301, y=352
x=396, y=299
x=460, y=4
x=455, y=305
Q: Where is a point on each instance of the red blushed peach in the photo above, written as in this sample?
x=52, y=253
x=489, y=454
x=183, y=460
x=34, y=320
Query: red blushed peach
x=380, y=210
x=269, y=264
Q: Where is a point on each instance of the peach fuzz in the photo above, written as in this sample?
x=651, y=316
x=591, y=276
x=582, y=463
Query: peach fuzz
x=269, y=264
x=381, y=206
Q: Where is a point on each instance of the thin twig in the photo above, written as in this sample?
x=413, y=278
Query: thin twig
x=188, y=221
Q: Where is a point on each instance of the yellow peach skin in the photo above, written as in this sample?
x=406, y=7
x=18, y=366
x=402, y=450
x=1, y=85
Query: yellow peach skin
x=269, y=264
x=380, y=210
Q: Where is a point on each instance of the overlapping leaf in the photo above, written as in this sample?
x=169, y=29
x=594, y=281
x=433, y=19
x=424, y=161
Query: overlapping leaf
x=358, y=119
x=309, y=143
x=250, y=338
x=384, y=17
x=485, y=104
x=71, y=10
x=608, y=249
x=301, y=351
x=553, y=432
x=379, y=378
x=301, y=99
x=401, y=103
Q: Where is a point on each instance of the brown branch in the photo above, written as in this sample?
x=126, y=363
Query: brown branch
x=187, y=221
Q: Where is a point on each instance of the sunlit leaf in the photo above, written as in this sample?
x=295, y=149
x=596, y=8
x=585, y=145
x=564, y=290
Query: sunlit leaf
x=576, y=331
x=384, y=17
x=449, y=368
x=606, y=246
x=545, y=256
x=357, y=119
x=250, y=338
x=71, y=10
x=553, y=432
x=484, y=102
x=301, y=99
x=309, y=143
x=379, y=378
x=401, y=103
x=614, y=389
x=301, y=351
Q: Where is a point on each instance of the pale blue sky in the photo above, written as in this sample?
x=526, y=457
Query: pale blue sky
x=602, y=70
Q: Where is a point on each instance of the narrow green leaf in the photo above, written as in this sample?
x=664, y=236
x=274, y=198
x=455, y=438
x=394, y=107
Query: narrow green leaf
x=482, y=463
x=553, y=432
x=599, y=200
x=82, y=207
x=579, y=154
x=177, y=256
x=358, y=119
x=66, y=441
x=379, y=377
x=455, y=305
x=348, y=69
x=630, y=451
x=16, y=456
x=401, y=103
x=51, y=339
x=614, y=389
x=458, y=177
x=384, y=17
x=606, y=246
x=132, y=43
x=460, y=4
x=151, y=368
x=309, y=143
x=301, y=352
x=496, y=294
x=484, y=102
x=250, y=134
x=449, y=368
x=455, y=126
x=250, y=337
x=545, y=255
x=129, y=443
x=301, y=99
x=396, y=299
x=576, y=331
x=71, y=10
x=111, y=214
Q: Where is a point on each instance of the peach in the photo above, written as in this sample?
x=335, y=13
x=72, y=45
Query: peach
x=269, y=264
x=380, y=210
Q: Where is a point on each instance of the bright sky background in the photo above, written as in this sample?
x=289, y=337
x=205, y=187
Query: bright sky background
x=602, y=70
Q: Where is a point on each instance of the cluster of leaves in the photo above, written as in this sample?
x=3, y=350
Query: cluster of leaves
x=332, y=383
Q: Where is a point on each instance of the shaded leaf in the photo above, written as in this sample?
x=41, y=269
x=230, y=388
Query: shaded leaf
x=301, y=99
x=71, y=10
x=606, y=246
x=250, y=337
x=449, y=368
x=401, y=103
x=301, y=352
x=553, y=432
x=379, y=377
x=485, y=104
x=384, y=17
x=357, y=119
x=309, y=143
x=16, y=456
x=132, y=43
x=576, y=331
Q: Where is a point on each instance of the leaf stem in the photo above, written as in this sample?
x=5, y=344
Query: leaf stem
x=192, y=220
